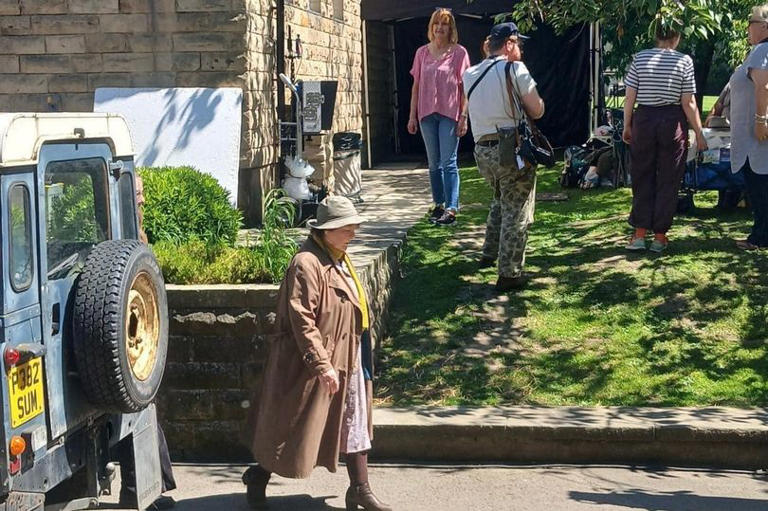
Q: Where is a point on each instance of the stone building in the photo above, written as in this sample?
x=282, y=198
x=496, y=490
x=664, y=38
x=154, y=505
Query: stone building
x=55, y=53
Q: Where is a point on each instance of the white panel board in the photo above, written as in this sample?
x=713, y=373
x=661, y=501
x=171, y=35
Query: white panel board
x=199, y=127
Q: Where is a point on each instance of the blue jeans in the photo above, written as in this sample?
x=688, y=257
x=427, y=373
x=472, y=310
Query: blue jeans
x=441, y=142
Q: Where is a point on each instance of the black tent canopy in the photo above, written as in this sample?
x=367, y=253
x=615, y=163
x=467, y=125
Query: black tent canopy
x=387, y=10
x=563, y=65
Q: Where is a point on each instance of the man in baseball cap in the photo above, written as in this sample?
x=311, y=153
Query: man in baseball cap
x=505, y=30
x=490, y=108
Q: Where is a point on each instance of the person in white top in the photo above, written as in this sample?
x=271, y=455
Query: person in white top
x=490, y=108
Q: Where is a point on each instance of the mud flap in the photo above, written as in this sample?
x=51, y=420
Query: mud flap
x=146, y=455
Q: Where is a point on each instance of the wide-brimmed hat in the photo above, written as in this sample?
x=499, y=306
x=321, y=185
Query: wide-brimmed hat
x=505, y=30
x=334, y=212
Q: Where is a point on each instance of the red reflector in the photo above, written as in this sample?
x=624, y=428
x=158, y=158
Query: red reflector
x=15, y=465
x=11, y=356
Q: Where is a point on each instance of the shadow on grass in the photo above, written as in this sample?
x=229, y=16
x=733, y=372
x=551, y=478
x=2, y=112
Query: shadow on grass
x=596, y=325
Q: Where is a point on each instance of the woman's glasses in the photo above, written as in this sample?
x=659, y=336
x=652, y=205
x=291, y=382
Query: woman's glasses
x=757, y=21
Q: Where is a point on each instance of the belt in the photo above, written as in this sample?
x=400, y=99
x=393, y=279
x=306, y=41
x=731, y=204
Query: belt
x=487, y=143
x=666, y=105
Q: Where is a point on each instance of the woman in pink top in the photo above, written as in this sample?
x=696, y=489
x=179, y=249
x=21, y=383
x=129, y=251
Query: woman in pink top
x=438, y=106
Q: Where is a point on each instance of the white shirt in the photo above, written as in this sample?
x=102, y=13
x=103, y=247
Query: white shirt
x=489, y=104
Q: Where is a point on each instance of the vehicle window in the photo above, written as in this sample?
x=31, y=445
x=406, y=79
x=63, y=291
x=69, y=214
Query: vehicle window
x=127, y=206
x=77, y=212
x=21, y=266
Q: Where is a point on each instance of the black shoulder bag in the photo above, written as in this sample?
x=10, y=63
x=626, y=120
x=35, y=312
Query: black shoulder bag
x=534, y=146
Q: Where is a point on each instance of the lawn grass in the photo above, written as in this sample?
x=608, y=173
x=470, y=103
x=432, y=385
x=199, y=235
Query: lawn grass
x=595, y=326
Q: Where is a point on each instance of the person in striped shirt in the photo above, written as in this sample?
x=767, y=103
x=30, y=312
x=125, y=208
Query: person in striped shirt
x=661, y=82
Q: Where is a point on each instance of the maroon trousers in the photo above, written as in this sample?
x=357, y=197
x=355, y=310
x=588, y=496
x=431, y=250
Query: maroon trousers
x=659, y=146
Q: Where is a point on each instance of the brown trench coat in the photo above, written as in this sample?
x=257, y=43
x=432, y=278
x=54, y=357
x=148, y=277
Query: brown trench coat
x=294, y=424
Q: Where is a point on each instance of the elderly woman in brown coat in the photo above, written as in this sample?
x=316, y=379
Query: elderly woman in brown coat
x=315, y=400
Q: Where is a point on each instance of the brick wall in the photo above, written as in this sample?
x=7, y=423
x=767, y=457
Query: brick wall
x=55, y=53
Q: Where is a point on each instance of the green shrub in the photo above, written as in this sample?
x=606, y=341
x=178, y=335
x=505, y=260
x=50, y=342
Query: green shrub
x=194, y=262
x=73, y=216
x=265, y=260
x=184, y=204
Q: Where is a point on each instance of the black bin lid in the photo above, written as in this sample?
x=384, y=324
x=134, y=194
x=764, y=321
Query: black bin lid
x=347, y=141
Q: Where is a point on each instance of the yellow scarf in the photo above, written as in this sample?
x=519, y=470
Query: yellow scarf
x=339, y=255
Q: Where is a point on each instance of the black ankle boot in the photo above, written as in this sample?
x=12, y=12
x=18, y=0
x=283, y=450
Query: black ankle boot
x=255, y=479
x=361, y=495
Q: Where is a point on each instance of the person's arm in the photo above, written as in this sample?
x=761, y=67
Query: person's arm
x=413, y=119
x=760, y=80
x=461, y=129
x=717, y=108
x=413, y=122
x=303, y=286
x=691, y=110
x=525, y=88
x=630, y=96
x=533, y=104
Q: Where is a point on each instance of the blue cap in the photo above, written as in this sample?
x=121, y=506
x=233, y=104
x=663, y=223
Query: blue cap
x=506, y=30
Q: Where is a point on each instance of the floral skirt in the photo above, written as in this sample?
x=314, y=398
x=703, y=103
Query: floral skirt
x=354, y=427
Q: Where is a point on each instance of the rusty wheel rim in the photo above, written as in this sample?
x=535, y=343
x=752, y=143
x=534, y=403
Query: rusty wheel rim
x=142, y=328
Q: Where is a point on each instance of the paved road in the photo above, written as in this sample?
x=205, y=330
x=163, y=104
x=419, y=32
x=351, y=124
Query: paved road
x=497, y=487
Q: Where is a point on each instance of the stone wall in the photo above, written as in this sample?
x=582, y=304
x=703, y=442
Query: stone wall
x=55, y=53
x=217, y=351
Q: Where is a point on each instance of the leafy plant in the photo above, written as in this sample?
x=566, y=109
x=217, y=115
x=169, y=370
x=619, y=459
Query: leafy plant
x=274, y=243
x=194, y=262
x=264, y=260
x=73, y=216
x=184, y=204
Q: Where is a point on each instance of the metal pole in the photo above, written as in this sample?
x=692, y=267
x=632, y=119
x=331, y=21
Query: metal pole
x=367, y=113
x=395, y=105
x=591, y=79
x=598, y=78
x=280, y=57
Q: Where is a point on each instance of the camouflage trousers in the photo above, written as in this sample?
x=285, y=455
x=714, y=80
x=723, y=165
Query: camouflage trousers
x=511, y=211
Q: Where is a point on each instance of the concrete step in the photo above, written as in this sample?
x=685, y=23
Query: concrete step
x=713, y=437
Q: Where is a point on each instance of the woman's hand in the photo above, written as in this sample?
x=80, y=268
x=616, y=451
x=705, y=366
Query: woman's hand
x=761, y=131
x=626, y=135
x=413, y=126
x=701, y=142
x=331, y=380
x=461, y=129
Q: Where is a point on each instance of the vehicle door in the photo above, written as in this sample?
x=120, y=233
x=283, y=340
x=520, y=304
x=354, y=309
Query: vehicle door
x=24, y=408
x=75, y=184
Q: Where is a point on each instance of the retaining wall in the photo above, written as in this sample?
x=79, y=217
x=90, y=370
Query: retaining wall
x=217, y=351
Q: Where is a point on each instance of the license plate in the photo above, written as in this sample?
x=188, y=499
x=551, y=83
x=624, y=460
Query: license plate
x=25, y=389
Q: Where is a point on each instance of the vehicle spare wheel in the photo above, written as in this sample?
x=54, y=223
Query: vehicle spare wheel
x=121, y=325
